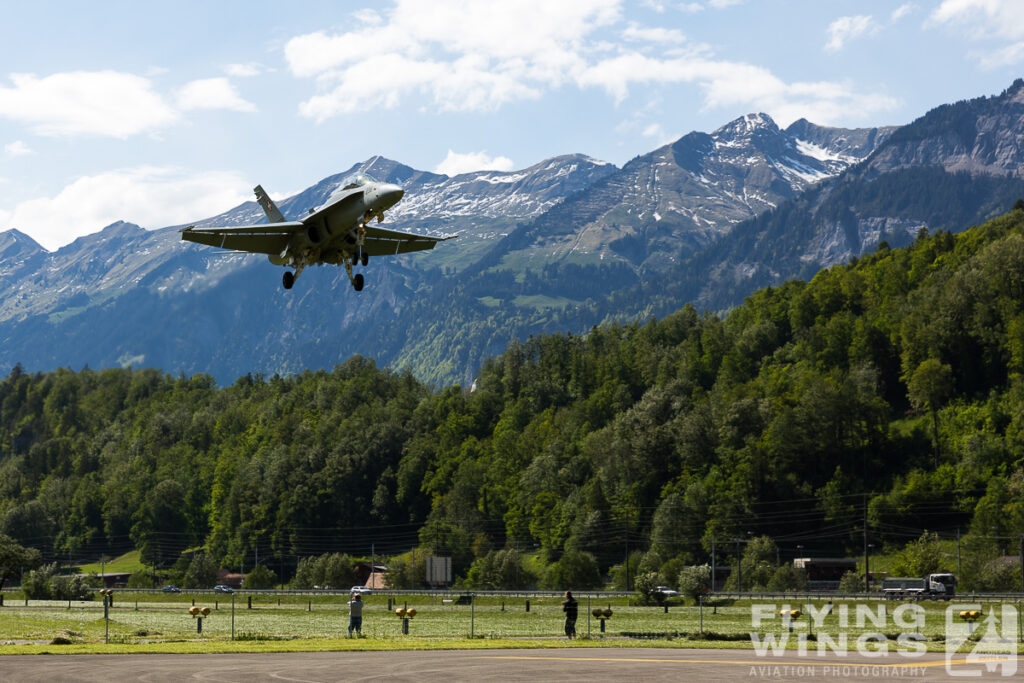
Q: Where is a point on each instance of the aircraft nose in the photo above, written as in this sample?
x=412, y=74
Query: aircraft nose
x=391, y=194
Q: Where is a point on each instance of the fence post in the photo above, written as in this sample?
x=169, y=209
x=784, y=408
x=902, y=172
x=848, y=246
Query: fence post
x=233, y=614
x=472, y=614
x=700, y=604
x=588, y=616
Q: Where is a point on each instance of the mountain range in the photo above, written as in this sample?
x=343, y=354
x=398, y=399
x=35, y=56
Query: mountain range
x=564, y=244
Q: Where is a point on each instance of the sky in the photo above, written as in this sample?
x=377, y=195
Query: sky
x=162, y=114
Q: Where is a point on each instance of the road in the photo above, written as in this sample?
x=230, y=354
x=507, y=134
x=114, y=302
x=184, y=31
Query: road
x=504, y=665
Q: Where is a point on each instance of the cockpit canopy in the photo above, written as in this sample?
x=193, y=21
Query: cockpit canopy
x=357, y=180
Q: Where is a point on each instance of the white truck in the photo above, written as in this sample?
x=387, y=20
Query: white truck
x=937, y=586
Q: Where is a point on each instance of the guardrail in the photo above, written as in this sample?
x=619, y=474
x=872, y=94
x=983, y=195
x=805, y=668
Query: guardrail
x=874, y=595
x=379, y=591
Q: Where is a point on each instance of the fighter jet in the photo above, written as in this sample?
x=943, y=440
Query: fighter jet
x=335, y=232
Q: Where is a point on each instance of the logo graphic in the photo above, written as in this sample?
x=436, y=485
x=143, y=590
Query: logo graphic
x=981, y=638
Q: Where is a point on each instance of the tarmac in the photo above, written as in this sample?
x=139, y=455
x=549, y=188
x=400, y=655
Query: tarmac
x=534, y=665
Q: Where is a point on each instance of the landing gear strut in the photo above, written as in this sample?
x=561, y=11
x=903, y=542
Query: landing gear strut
x=356, y=280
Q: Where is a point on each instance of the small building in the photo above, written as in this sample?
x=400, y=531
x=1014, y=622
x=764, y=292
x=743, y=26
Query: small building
x=229, y=578
x=824, y=573
x=366, y=574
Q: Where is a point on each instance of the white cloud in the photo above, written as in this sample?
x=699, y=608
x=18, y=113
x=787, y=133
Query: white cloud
x=212, y=93
x=150, y=196
x=691, y=7
x=455, y=163
x=246, y=70
x=503, y=51
x=17, y=149
x=982, y=19
x=508, y=51
x=845, y=29
x=638, y=33
x=104, y=103
x=902, y=11
x=722, y=4
x=988, y=21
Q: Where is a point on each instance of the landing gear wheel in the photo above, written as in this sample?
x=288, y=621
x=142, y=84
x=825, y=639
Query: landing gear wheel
x=364, y=258
x=357, y=282
x=288, y=280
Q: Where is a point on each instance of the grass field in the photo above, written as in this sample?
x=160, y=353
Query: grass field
x=129, y=562
x=162, y=623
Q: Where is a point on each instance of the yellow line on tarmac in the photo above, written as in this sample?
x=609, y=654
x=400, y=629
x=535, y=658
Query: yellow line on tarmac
x=755, y=662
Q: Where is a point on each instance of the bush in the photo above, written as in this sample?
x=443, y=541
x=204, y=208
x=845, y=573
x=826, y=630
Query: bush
x=999, y=574
x=645, y=585
x=919, y=557
x=619, y=573
x=201, y=572
x=788, y=578
x=142, y=580
x=37, y=583
x=335, y=570
x=70, y=587
x=260, y=578
x=498, y=570
x=575, y=570
x=693, y=581
x=851, y=583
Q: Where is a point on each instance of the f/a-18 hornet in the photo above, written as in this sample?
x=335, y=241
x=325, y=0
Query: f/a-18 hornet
x=335, y=233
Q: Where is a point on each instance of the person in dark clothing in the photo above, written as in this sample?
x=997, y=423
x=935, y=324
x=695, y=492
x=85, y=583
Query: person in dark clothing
x=571, y=609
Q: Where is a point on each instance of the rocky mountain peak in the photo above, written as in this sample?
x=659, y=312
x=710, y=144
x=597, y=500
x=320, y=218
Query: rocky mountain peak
x=746, y=127
x=17, y=246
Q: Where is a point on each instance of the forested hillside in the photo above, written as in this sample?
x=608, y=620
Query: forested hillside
x=888, y=389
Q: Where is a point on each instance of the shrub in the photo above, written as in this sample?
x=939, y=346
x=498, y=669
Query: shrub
x=693, y=581
x=201, y=572
x=788, y=578
x=70, y=587
x=260, y=578
x=851, y=582
x=37, y=583
x=142, y=580
x=575, y=570
x=645, y=585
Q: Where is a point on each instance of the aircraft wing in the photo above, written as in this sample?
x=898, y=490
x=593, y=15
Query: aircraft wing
x=269, y=238
x=381, y=242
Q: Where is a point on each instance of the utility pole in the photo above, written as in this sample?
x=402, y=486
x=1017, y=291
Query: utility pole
x=1021, y=558
x=867, y=580
x=958, y=553
x=373, y=562
x=739, y=567
x=626, y=563
x=713, y=574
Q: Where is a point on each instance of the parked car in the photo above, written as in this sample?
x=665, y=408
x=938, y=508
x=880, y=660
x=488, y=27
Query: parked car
x=222, y=588
x=170, y=589
x=362, y=590
x=666, y=592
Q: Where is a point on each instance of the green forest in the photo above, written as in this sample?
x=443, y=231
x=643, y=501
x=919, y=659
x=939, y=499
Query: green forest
x=879, y=401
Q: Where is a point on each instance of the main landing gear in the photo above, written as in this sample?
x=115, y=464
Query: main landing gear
x=357, y=279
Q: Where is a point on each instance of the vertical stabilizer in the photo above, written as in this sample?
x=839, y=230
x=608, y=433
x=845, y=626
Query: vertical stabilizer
x=274, y=214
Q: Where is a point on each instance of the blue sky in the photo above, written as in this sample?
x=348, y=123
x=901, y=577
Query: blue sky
x=162, y=114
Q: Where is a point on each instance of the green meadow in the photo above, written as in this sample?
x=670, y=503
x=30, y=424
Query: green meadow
x=147, y=622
